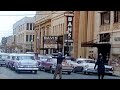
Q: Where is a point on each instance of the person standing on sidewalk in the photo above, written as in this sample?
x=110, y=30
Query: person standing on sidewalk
x=101, y=66
x=60, y=59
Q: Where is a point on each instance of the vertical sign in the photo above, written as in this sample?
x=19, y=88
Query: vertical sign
x=69, y=27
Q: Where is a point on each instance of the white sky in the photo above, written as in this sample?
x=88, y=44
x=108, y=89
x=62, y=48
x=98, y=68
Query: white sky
x=8, y=18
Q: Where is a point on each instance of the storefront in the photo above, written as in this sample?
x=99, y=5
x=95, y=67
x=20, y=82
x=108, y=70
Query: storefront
x=52, y=44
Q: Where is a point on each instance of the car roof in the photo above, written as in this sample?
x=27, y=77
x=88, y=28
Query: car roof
x=4, y=53
x=14, y=54
x=80, y=59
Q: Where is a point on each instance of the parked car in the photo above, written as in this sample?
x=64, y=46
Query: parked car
x=88, y=66
x=25, y=62
x=50, y=65
x=42, y=59
x=76, y=67
x=10, y=60
x=3, y=57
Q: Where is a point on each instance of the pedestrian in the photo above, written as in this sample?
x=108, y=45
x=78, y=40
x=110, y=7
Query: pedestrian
x=101, y=66
x=80, y=56
x=60, y=59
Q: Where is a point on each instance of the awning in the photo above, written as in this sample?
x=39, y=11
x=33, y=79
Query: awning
x=89, y=44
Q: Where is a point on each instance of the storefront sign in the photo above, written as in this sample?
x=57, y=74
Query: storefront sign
x=50, y=45
x=50, y=39
x=69, y=26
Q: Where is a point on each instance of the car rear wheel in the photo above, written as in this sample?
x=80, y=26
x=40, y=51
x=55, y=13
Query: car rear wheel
x=44, y=69
x=69, y=73
x=74, y=71
x=17, y=71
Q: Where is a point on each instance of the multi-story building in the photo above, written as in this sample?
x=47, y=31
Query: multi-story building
x=4, y=44
x=23, y=31
x=10, y=41
x=83, y=33
x=42, y=28
x=107, y=33
x=83, y=30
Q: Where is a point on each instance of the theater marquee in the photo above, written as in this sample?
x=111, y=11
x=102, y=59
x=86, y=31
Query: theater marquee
x=50, y=41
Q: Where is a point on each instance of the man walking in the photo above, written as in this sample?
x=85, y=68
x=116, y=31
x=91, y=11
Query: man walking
x=60, y=59
x=101, y=66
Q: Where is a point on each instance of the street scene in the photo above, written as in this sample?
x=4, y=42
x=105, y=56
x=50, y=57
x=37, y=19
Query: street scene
x=59, y=45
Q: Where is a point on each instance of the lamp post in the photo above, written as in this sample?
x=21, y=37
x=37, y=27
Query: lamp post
x=38, y=48
x=31, y=45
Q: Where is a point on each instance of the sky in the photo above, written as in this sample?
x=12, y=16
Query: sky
x=8, y=18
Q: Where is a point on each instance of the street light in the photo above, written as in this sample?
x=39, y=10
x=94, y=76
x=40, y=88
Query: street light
x=38, y=44
x=31, y=45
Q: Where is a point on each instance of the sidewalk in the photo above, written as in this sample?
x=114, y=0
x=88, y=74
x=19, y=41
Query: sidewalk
x=3, y=77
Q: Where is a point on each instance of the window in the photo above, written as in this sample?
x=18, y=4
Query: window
x=30, y=38
x=26, y=38
x=105, y=37
x=33, y=26
x=27, y=26
x=105, y=18
x=116, y=16
x=33, y=38
x=30, y=26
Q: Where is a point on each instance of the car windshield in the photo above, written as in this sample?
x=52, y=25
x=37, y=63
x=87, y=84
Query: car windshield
x=89, y=61
x=54, y=60
x=44, y=57
x=25, y=58
x=3, y=56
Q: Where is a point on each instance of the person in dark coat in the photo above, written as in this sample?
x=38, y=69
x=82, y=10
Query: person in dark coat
x=60, y=59
x=101, y=66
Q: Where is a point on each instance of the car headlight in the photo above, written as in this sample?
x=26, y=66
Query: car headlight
x=54, y=65
x=86, y=66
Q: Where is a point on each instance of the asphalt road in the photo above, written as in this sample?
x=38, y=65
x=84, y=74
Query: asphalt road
x=6, y=73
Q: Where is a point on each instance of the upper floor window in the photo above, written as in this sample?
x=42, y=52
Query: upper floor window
x=105, y=37
x=27, y=26
x=105, y=18
x=116, y=16
x=31, y=26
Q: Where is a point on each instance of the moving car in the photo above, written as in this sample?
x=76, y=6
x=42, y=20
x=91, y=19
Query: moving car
x=25, y=62
x=50, y=65
x=88, y=66
x=3, y=57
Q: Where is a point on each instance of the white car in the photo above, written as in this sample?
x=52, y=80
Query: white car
x=76, y=67
x=25, y=62
x=88, y=66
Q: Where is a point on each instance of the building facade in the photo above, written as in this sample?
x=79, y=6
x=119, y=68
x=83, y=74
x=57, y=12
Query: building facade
x=82, y=31
x=23, y=31
x=107, y=30
x=10, y=41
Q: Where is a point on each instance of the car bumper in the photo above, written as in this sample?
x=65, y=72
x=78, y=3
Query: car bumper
x=27, y=68
x=2, y=63
x=64, y=70
x=95, y=71
x=108, y=72
x=77, y=69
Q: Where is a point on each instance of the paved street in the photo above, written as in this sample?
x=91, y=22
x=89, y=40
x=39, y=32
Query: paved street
x=6, y=73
